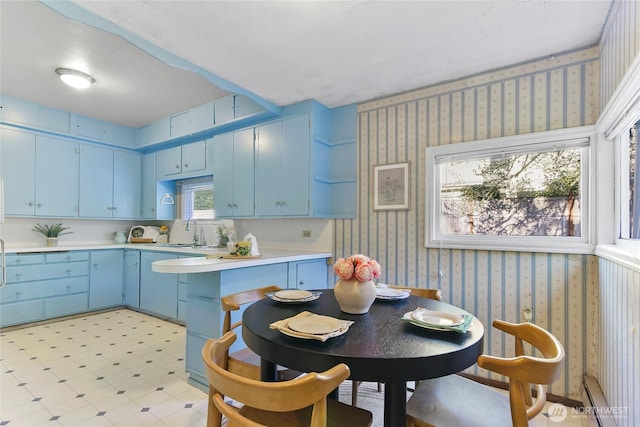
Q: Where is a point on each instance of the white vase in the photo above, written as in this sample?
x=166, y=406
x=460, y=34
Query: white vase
x=354, y=297
x=52, y=241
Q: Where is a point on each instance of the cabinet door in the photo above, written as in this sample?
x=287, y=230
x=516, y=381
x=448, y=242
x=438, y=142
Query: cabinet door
x=224, y=109
x=311, y=274
x=223, y=174
x=283, y=168
x=95, y=182
x=149, y=186
x=127, y=184
x=132, y=278
x=295, y=166
x=18, y=168
x=158, y=291
x=171, y=161
x=105, y=279
x=243, y=173
x=194, y=157
x=56, y=177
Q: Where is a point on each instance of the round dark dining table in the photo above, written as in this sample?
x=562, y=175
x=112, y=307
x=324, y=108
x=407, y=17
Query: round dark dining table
x=378, y=347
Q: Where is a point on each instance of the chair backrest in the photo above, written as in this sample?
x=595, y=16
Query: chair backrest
x=524, y=370
x=421, y=292
x=233, y=302
x=282, y=396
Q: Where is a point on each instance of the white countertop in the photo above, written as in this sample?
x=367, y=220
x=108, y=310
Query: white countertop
x=196, y=264
x=205, y=264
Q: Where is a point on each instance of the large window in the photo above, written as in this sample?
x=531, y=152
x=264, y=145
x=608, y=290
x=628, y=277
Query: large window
x=629, y=223
x=195, y=198
x=527, y=193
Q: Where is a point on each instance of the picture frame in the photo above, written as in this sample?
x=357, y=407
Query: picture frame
x=391, y=186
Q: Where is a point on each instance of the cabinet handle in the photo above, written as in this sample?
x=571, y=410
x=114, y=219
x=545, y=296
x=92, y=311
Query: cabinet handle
x=177, y=166
x=115, y=208
x=95, y=266
x=68, y=258
x=19, y=260
x=69, y=271
x=68, y=286
x=229, y=205
x=301, y=283
x=30, y=203
x=18, y=292
x=18, y=275
x=39, y=205
x=186, y=165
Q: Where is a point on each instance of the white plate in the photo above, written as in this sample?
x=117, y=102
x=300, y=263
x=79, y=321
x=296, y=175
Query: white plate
x=317, y=325
x=437, y=318
x=293, y=294
x=392, y=293
x=313, y=297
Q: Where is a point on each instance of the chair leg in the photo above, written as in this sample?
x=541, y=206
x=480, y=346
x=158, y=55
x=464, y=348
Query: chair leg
x=354, y=392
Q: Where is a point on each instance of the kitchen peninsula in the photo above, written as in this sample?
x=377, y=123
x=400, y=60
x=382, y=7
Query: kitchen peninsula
x=209, y=278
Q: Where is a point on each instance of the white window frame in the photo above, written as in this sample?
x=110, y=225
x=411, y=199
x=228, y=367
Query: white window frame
x=621, y=111
x=181, y=199
x=560, y=244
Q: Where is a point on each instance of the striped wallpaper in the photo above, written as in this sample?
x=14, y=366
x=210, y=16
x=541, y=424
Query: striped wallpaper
x=551, y=93
x=620, y=43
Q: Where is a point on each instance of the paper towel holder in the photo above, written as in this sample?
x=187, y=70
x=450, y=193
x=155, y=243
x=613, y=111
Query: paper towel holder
x=167, y=199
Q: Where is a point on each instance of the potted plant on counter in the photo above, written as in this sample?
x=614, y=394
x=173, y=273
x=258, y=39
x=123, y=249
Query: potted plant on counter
x=51, y=232
x=223, y=233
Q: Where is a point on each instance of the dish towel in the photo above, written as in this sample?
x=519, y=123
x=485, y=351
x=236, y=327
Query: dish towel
x=283, y=326
x=462, y=328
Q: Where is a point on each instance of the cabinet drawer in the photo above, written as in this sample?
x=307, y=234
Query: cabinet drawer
x=24, y=259
x=20, y=312
x=65, y=305
x=27, y=291
x=66, y=257
x=46, y=271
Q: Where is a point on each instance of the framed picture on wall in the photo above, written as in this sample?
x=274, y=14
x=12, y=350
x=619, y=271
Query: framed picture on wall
x=391, y=186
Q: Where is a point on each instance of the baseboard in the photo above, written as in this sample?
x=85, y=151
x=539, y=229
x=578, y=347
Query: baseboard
x=505, y=386
x=594, y=398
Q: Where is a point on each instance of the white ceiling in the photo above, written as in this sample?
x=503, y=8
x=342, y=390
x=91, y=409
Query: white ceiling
x=338, y=52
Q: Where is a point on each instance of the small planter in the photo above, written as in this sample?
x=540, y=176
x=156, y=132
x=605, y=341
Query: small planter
x=52, y=241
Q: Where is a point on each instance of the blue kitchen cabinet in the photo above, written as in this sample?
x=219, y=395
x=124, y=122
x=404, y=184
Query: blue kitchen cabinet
x=154, y=132
x=127, y=184
x=18, y=168
x=110, y=183
x=131, y=281
x=183, y=161
x=233, y=165
x=282, y=168
x=158, y=291
x=99, y=130
x=194, y=120
x=309, y=274
x=56, y=177
x=40, y=174
x=44, y=286
x=224, y=109
x=149, y=186
x=106, y=279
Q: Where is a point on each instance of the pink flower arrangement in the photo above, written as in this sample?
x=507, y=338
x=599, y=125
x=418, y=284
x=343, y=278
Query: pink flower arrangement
x=359, y=267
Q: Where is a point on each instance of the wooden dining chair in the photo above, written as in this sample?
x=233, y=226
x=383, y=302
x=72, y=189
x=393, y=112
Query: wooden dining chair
x=299, y=402
x=418, y=292
x=245, y=362
x=457, y=401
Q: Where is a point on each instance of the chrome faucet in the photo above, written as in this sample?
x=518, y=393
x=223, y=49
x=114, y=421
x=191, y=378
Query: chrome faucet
x=196, y=238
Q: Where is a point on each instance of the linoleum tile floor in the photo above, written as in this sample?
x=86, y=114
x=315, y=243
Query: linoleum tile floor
x=116, y=368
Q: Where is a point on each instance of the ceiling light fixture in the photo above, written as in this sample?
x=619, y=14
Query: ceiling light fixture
x=75, y=78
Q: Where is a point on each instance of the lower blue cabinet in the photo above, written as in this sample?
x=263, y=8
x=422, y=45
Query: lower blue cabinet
x=44, y=286
x=106, y=277
x=158, y=291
